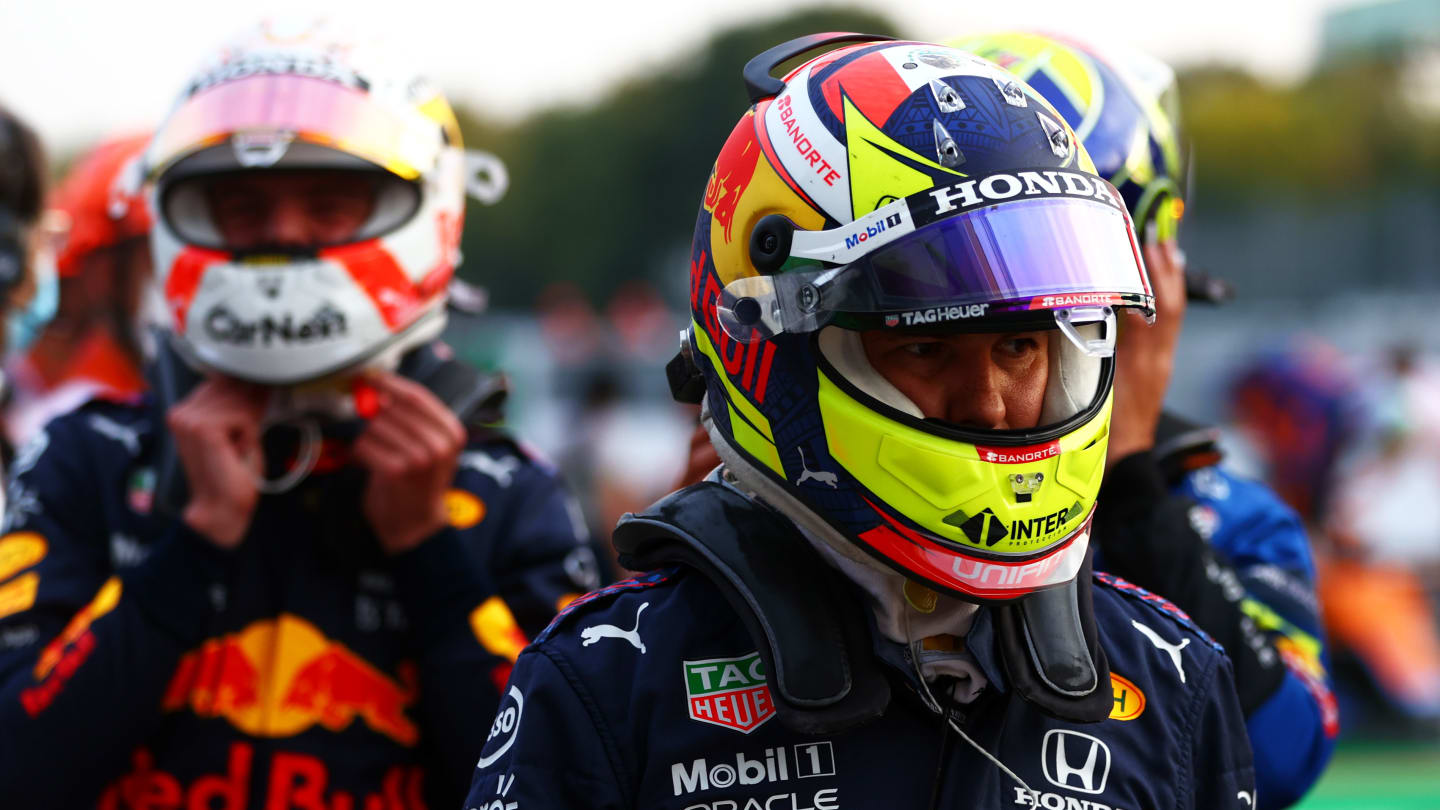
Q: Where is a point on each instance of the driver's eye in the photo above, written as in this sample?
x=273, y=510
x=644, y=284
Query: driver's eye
x=1019, y=346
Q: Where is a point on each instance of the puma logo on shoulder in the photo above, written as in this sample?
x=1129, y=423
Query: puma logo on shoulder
x=806, y=474
x=502, y=469
x=110, y=429
x=596, y=632
x=1172, y=649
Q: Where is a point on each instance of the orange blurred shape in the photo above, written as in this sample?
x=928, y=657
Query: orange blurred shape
x=496, y=629
x=104, y=602
x=102, y=199
x=1381, y=612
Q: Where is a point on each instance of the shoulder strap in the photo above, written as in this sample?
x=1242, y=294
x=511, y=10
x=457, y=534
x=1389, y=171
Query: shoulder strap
x=808, y=623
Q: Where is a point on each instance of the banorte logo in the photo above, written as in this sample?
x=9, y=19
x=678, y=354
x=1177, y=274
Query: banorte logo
x=733, y=170
x=278, y=677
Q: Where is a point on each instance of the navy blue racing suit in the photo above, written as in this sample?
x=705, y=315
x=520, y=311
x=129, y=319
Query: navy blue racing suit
x=649, y=694
x=142, y=666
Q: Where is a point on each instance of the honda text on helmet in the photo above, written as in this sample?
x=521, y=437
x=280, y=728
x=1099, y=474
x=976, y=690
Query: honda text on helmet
x=308, y=203
x=907, y=186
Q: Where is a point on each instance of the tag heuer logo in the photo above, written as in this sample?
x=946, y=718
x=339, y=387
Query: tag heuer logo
x=729, y=692
x=982, y=528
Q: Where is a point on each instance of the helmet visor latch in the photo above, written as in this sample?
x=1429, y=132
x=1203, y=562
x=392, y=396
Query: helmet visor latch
x=1070, y=320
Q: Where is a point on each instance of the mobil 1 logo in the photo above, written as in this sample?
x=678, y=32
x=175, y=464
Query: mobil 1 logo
x=772, y=765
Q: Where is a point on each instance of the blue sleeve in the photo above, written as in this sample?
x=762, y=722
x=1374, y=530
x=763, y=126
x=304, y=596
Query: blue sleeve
x=86, y=653
x=1293, y=732
x=548, y=748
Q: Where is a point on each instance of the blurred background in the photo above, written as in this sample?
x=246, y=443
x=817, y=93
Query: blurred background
x=1315, y=129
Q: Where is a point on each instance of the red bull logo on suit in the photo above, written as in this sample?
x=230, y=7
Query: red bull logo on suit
x=278, y=677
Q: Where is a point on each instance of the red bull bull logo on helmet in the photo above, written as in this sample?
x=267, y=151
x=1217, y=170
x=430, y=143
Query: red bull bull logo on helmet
x=731, y=175
x=278, y=677
x=729, y=692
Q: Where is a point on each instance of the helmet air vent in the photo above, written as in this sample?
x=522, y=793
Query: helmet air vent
x=1057, y=136
x=1011, y=92
x=947, y=152
x=947, y=98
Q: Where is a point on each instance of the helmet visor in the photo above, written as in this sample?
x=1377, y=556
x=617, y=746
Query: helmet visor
x=1026, y=255
x=272, y=110
x=283, y=210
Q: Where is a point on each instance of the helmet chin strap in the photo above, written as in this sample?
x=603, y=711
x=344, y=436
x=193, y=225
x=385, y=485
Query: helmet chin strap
x=310, y=440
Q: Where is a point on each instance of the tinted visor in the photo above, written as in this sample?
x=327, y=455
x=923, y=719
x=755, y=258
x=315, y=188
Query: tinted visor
x=1038, y=254
x=315, y=110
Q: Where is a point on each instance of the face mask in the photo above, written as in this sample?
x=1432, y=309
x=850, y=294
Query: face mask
x=22, y=326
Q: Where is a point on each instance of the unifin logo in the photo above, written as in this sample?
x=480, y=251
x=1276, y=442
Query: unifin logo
x=978, y=572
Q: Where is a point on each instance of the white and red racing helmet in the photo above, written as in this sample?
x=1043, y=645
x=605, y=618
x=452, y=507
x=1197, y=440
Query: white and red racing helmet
x=306, y=102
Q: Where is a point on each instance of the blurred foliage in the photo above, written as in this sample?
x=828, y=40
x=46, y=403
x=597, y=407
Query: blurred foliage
x=604, y=193
x=1347, y=129
x=607, y=192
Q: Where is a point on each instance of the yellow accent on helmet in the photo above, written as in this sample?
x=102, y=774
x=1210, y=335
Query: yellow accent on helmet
x=750, y=428
x=876, y=176
x=1024, y=54
x=941, y=484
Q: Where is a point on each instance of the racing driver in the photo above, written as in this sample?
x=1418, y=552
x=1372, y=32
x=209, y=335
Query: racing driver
x=296, y=573
x=904, y=280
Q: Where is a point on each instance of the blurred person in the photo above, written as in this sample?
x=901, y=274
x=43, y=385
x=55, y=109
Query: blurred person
x=1298, y=410
x=92, y=346
x=622, y=430
x=27, y=273
x=296, y=572
x=1379, y=570
x=902, y=281
x=1387, y=506
x=1171, y=519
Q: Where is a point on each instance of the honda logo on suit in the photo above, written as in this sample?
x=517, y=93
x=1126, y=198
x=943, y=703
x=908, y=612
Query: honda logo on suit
x=1075, y=761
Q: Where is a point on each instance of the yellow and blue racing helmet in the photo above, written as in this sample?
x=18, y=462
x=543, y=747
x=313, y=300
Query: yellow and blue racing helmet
x=1125, y=107
x=905, y=185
